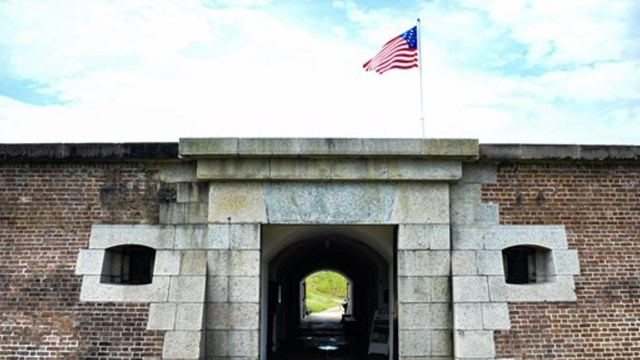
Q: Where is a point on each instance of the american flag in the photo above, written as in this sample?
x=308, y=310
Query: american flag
x=400, y=52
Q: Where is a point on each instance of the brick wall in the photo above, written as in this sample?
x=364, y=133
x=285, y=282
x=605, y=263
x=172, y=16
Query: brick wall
x=46, y=213
x=600, y=206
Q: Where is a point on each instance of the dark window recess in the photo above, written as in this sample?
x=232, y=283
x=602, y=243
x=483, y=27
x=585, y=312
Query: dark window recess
x=526, y=264
x=128, y=264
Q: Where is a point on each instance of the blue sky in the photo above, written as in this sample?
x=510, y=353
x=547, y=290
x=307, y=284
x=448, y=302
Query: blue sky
x=508, y=71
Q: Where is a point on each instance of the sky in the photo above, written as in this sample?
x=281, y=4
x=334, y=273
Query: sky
x=504, y=71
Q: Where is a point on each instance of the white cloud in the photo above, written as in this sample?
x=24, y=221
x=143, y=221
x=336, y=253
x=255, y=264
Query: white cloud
x=507, y=71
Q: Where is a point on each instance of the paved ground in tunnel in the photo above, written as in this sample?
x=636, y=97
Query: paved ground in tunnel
x=323, y=336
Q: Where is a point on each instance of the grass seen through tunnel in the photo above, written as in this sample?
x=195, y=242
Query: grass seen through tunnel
x=324, y=290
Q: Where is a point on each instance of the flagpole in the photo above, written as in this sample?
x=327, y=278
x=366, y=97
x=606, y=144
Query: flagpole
x=420, y=74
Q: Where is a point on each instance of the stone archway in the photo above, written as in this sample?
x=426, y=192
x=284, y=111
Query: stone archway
x=363, y=253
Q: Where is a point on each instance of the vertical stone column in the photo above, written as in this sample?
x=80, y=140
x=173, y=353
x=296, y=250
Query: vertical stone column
x=475, y=316
x=423, y=291
x=183, y=315
x=233, y=291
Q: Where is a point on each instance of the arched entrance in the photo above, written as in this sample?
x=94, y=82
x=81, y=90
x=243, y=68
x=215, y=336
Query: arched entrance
x=364, y=254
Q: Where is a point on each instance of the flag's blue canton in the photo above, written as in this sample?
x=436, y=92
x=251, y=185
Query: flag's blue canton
x=411, y=36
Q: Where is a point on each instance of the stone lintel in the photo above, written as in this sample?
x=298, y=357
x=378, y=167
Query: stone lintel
x=329, y=169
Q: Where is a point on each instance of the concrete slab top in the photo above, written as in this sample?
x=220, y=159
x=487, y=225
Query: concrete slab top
x=462, y=149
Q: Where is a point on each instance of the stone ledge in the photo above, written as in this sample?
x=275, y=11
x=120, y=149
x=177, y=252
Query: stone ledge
x=462, y=149
x=531, y=152
x=88, y=152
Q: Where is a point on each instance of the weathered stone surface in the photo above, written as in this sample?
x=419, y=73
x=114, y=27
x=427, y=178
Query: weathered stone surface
x=470, y=289
x=162, y=316
x=234, y=236
x=299, y=147
x=189, y=316
x=459, y=148
x=244, y=289
x=565, y=262
x=495, y=316
x=440, y=289
x=415, y=342
x=480, y=173
x=93, y=290
x=192, y=192
x=193, y=147
x=467, y=316
x=218, y=289
x=424, y=316
x=421, y=203
x=423, y=237
x=487, y=214
x=307, y=169
x=243, y=343
x=414, y=289
x=562, y=289
x=329, y=203
x=167, y=262
x=89, y=262
x=191, y=237
x=464, y=262
x=470, y=344
x=182, y=345
x=187, y=289
x=237, y=203
x=441, y=343
x=193, y=263
x=500, y=237
x=217, y=343
x=423, y=263
x=226, y=316
x=153, y=236
x=178, y=172
x=234, y=168
x=490, y=263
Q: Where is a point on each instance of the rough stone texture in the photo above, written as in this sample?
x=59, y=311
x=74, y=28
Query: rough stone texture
x=106, y=236
x=93, y=290
x=166, y=263
x=436, y=148
x=423, y=237
x=423, y=263
x=233, y=262
x=561, y=289
x=187, y=289
x=415, y=342
x=237, y=203
x=328, y=203
x=89, y=262
x=162, y=316
x=244, y=289
x=233, y=316
x=192, y=237
x=182, y=345
x=189, y=316
x=470, y=344
x=425, y=316
x=471, y=289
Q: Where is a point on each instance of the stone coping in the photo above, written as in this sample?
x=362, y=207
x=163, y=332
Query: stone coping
x=542, y=152
x=88, y=152
x=198, y=148
x=226, y=147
